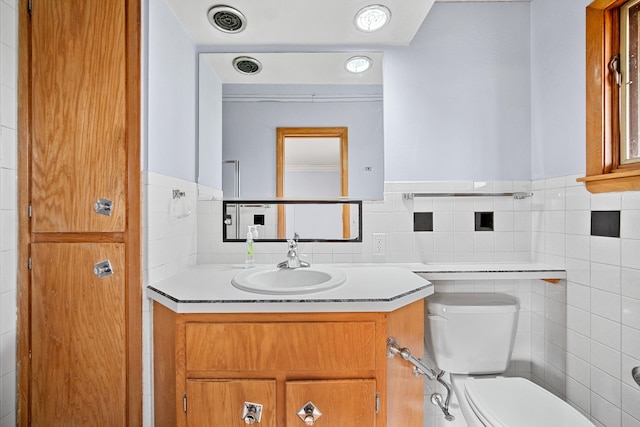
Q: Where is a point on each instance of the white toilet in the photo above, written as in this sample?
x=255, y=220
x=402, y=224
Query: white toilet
x=471, y=337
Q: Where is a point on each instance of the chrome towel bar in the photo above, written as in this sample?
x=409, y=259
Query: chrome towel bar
x=518, y=195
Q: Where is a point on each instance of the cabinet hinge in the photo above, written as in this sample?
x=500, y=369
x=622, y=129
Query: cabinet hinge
x=29, y=354
x=377, y=403
x=30, y=211
x=29, y=6
x=30, y=264
x=184, y=402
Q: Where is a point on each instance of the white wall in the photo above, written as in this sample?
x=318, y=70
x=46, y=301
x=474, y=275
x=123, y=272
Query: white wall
x=557, y=87
x=209, y=127
x=8, y=212
x=171, y=104
x=457, y=100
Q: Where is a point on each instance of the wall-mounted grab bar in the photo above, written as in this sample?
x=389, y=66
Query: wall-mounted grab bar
x=420, y=368
x=519, y=195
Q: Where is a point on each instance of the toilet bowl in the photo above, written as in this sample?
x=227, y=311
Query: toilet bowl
x=512, y=402
x=471, y=337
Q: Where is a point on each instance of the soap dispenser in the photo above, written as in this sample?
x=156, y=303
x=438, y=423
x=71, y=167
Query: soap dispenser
x=252, y=233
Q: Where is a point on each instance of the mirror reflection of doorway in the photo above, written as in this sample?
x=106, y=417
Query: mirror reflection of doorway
x=312, y=163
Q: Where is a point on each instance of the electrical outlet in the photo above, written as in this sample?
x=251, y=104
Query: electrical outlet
x=379, y=243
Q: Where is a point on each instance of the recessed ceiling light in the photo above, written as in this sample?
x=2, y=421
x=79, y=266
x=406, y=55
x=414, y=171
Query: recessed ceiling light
x=358, y=64
x=372, y=18
x=226, y=19
x=247, y=65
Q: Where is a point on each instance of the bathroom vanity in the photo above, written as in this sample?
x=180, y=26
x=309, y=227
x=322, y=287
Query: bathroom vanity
x=227, y=357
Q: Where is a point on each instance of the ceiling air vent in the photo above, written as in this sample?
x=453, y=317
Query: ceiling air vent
x=247, y=65
x=226, y=19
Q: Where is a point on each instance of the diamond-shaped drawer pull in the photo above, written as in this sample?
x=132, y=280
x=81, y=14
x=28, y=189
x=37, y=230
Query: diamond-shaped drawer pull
x=309, y=413
x=251, y=413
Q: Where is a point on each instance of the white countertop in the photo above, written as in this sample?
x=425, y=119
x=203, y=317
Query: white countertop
x=369, y=287
x=489, y=271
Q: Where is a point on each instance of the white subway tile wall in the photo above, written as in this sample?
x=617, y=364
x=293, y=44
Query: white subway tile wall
x=169, y=247
x=602, y=298
x=453, y=238
x=8, y=213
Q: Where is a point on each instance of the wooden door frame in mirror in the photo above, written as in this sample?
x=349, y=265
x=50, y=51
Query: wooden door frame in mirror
x=315, y=132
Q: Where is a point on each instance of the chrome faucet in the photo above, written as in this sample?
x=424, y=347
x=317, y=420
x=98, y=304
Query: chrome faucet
x=292, y=260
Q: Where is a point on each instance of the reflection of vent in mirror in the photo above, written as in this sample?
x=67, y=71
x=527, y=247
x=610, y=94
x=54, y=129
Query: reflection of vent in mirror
x=247, y=65
x=226, y=19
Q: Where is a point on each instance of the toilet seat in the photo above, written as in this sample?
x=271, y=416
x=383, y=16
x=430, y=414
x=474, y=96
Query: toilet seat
x=517, y=402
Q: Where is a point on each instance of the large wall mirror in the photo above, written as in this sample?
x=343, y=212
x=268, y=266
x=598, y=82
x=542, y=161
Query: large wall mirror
x=291, y=90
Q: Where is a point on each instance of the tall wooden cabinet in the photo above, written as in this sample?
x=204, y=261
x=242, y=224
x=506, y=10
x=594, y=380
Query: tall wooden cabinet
x=79, y=302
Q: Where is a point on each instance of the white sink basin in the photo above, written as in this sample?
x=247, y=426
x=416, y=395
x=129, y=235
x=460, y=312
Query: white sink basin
x=283, y=281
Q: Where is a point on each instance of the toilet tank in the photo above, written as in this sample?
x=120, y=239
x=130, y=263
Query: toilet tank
x=468, y=333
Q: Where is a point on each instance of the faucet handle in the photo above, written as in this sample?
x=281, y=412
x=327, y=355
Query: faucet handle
x=292, y=244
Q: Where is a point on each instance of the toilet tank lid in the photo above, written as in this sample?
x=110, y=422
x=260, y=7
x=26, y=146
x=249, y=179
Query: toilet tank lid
x=465, y=302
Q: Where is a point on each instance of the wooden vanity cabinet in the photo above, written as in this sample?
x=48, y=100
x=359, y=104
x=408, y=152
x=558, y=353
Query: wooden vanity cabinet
x=207, y=365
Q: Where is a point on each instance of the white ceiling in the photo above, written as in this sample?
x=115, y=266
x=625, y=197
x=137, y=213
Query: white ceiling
x=297, y=68
x=281, y=25
x=304, y=22
x=301, y=22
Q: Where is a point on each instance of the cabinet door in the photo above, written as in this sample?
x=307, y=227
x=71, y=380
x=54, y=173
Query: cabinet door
x=78, y=84
x=341, y=402
x=221, y=403
x=78, y=339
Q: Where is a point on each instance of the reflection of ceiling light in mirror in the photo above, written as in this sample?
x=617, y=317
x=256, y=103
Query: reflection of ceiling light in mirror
x=358, y=64
x=226, y=19
x=247, y=65
x=372, y=18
